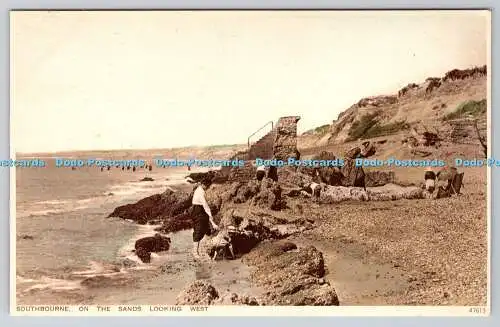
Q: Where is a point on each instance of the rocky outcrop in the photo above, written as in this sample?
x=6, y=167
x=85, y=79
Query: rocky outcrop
x=458, y=74
x=352, y=175
x=388, y=192
x=269, y=195
x=265, y=193
x=198, y=293
x=291, y=276
x=204, y=293
x=210, y=175
x=377, y=101
x=408, y=100
x=285, y=142
x=247, y=228
x=156, y=207
x=328, y=175
x=407, y=89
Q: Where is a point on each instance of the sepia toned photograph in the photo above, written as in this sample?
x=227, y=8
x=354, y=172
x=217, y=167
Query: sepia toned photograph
x=176, y=162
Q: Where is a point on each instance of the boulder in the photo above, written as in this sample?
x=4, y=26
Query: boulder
x=146, y=245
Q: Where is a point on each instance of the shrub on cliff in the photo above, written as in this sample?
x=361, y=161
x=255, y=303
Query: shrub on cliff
x=468, y=108
x=387, y=129
x=361, y=126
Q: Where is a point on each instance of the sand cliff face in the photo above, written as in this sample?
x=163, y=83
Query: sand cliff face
x=427, y=103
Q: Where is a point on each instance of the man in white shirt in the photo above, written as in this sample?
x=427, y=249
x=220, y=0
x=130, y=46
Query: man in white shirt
x=202, y=216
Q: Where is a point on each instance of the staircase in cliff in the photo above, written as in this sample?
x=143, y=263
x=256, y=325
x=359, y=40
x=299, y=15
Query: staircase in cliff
x=265, y=148
x=262, y=149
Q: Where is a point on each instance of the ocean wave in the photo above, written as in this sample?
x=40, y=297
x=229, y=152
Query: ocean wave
x=130, y=191
x=47, y=283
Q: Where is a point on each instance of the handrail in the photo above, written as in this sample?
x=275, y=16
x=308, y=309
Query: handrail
x=269, y=122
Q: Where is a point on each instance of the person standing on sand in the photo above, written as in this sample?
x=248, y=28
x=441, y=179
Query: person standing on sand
x=202, y=216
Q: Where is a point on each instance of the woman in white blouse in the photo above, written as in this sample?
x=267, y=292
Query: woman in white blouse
x=202, y=216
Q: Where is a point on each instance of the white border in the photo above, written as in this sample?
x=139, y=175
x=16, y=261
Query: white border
x=269, y=311
x=489, y=145
x=274, y=311
x=13, y=198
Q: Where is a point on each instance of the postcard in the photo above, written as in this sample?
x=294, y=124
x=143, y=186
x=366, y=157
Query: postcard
x=272, y=163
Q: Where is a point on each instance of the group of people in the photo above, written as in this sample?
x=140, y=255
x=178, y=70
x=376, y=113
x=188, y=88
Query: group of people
x=203, y=221
x=445, y=181
x=312, y=189
x=148, y=167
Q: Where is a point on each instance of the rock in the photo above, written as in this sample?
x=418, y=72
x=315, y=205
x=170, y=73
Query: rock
x=269, y=196
x=180, y=222
x=248, y=229
x=235, y=299
x=368, y=150
x=198, y=177
x=336, y=194
x=169, y=269
x=158, y=206
x=329, y=175
x=157, y=243
x=379, y=178
x=353, y=153
x=146, y=245
x=127, y=263
x=147, y=179
x=458, y=74
x=107, y=281
x=247, y=191
x=352, y=175
x=144, y=255
x=292, y=178
x=25, y=237
x=198, y=293
x=291, y=277
x=285, y=142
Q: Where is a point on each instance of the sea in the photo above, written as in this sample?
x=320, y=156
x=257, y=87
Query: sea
x=68, y=252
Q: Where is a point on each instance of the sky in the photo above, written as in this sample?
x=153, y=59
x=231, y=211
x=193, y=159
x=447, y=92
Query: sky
x=139, y=80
